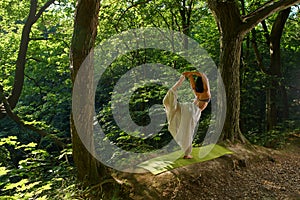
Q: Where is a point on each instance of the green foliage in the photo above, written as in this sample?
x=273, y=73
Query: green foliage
x=31, y=166
x=13, y=14
x=35, y=173
x=253, y=100
x=28, y=171
x=275, y=138
x=46, y=97
x=204, y=123
x=255, y=80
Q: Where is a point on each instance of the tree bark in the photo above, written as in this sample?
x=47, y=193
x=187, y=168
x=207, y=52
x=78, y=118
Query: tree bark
x=228, y=19
x=231, y=78
x=89, y=170
x=233, y=27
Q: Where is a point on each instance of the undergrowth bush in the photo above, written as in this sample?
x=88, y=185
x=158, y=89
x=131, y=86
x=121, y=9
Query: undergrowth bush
x=27, y=172
x=275, y=138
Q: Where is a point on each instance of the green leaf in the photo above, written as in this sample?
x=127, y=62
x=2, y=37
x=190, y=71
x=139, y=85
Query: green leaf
x=3, y=171
x=19, y=184
x=28, y=146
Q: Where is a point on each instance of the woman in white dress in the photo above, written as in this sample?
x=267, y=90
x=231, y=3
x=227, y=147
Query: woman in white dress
x=183, y=117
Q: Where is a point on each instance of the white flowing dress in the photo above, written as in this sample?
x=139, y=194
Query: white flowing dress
x=182, y=120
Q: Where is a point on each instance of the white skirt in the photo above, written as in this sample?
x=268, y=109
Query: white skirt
x=182, y=120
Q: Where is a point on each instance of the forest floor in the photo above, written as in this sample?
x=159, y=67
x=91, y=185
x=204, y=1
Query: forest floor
x=252, y=172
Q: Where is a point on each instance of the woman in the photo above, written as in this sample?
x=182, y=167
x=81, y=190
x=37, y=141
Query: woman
x=183, y=117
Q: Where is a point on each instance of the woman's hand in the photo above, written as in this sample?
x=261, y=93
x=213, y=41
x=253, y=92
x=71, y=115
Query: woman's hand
x=179, y=82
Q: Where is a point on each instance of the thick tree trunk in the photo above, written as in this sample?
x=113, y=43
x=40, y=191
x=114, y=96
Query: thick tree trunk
x=89, y=169
x=276, y=94
x=228, y=20
x=230, y=72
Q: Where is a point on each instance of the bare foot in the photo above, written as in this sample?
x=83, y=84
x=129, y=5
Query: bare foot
x=187, y=157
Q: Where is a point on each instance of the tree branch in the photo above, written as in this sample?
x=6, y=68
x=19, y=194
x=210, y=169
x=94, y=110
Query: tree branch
x=175, y=20
x=131, y=6
x=266, y=32
x=40, y=38
x=272, y=6
x=21, y=59
x=43, y=8
x=258, y=56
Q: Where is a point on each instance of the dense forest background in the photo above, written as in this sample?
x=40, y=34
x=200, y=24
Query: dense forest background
x=36, y=84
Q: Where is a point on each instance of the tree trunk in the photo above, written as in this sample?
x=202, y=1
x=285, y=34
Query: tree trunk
x=276, y=93
x=33, y=16
x=228, y=19
x=89, y=169
x=233, y=27
x=230, y=72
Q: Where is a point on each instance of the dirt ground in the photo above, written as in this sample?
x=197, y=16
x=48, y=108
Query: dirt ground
x=250, y=173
